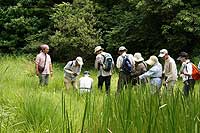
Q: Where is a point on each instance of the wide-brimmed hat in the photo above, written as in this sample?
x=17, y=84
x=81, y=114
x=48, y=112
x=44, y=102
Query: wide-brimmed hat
x=98, y=48
x=79, y=60
x=152, y=60
x=122, y=48
x=163, y=52
x=183, y=55
x=138, y=57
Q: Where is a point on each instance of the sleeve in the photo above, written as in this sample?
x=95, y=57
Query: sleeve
x=172, y=70
x=68, y=67
x=49, y=60
x=97, y=61
x=147, y=74
x=37, y=60
x=119, y=63
x=79, y=70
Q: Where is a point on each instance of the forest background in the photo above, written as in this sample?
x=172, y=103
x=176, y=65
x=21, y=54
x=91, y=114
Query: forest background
x=74, y=27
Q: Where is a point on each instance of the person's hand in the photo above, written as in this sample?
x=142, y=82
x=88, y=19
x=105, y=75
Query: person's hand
x=37, y=73
x=75, y=74
x=51, y=73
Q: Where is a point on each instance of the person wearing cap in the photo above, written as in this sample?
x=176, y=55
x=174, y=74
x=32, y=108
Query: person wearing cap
x=124, y=78
x=71, y=70
x=154, y=73
x=170, y=70
x=186, y=73
x=85, y=82
x=103, y=76
x=140, y=68
x=43, y=65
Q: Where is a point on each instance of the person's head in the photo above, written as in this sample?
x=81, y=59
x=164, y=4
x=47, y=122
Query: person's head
x=79, y=61
x=152, y=60
x=138, y=57
x=122, y=49
x=163, y=54
x=44, y=48
x=86, y=73
x=183, y=56
x=98, y=50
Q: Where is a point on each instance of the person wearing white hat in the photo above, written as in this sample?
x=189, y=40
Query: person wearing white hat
x=104, y=63
x=170, y=70
x=124, y=76
x=85, y=82
x=154, y=73
x=140, y=68
x=71, y=70
x=43, y=65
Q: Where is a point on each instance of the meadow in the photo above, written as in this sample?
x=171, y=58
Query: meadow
x=27, y=107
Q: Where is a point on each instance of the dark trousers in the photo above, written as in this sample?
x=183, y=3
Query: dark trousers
x=123, y=81
x=101, y=80
x=188, y=86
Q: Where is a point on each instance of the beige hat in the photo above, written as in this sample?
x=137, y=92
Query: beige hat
x=44, y=46
x=122, y=48
x=152, y=60
x=163, y=52
x=79, y=60
x=97, y=49
x=138, y=57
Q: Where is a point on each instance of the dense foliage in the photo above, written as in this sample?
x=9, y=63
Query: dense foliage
x=75, y=27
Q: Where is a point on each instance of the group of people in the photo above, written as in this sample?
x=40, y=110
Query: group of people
x=133, y=70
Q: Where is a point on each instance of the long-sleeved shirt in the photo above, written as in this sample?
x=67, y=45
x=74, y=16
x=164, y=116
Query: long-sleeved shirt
x=70, y=69
x=40, y=60
x=153, y=72
x=98, y=65
x=121, y=58
x=186, y=70
x=170, y=69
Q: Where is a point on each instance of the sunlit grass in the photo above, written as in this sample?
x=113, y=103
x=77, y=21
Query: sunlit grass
x=27, y=107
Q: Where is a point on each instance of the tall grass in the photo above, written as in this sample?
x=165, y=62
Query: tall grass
x=27, y=107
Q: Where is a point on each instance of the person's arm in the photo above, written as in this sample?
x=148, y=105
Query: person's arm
x=119, y=63
x=37, y=64
x=147, y=74
x=67, y=67
x=51, y=69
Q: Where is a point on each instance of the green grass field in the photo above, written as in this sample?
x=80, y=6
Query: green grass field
x=27, y=107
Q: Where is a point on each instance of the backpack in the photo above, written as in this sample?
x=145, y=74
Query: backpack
x=107, y=62
x=126, y=65
x=195, y=72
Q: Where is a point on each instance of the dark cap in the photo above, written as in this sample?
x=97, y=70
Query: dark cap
x=183, y=55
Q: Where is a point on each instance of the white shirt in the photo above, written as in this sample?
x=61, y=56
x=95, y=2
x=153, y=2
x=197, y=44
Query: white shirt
x=85, y=82
x=186, y=68
x=40, y=60
x=120, y=60
x=170, y=69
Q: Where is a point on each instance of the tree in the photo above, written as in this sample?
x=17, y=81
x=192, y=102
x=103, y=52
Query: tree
x=75, y=29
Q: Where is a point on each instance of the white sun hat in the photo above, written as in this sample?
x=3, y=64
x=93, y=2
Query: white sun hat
x=97, y=48
x=122, y=48
x=138, y=57
x=79, y=60
x=152, y=60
